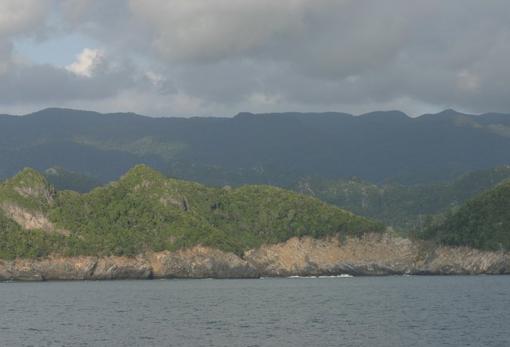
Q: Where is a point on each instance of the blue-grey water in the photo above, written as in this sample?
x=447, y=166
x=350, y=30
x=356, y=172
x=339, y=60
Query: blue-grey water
x=377, y=311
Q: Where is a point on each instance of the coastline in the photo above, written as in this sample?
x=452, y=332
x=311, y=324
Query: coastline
x=369, y=255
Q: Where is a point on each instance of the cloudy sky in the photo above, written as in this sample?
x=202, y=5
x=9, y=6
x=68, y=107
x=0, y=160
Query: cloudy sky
x=220, y=57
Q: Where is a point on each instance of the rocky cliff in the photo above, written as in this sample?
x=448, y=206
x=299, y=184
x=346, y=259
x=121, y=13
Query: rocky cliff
x=372, y=254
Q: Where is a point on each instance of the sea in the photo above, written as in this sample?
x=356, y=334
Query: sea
x=337, y=311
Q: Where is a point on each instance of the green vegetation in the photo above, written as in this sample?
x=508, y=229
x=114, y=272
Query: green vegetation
x=406, y=208
x=145, y=211
x=276, y=149
x=28, y=189
x=18, y=242
x=147, y=145
x=483, y=222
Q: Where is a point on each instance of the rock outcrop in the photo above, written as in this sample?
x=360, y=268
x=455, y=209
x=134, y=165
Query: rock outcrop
x=31, y=220
x=463, y=261
x=110, y=268
x=201, y=262
x=372, y=254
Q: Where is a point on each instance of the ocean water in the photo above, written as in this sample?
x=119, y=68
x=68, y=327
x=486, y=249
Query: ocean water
x=365, y=311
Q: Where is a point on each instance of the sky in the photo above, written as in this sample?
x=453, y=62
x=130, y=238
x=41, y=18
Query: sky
x=221, y=57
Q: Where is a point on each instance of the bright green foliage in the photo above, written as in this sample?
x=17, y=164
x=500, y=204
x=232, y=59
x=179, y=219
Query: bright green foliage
x=18, y=242
x=264, y=214
x=483, y=222
x=28, y=189
x=145, y=211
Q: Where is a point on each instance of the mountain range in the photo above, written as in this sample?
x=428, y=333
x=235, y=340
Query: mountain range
x=278, y=149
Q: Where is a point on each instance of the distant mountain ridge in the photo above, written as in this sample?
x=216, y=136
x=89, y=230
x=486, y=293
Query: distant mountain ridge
x=276, y=148
x=406, y=208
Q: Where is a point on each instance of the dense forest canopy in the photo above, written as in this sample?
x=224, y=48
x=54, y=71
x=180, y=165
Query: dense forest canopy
x=146, y=211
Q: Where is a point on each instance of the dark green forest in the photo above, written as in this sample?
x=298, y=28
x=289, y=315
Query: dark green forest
x=406, y=208
x=276, y=149
x=483, y=222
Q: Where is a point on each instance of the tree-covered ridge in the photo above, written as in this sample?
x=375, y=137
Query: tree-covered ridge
x=146, y=211
x=27, y=194
x=282, y=147
x=482, y=222
x=406, y=208
x=27, y=189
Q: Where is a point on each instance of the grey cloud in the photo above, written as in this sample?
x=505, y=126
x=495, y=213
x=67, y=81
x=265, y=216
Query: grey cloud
x=222, y=56
x=22, y=16
x=46, y=83
x=19, y=18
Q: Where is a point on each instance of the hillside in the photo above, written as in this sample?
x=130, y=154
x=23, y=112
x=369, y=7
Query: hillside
x=483, y=222
x=146, y=211
x=276, y=149
x=408, y=208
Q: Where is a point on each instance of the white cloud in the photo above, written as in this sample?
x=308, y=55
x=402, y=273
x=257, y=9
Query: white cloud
x=86, y=62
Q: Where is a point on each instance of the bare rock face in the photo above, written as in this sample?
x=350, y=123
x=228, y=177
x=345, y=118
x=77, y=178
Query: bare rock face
x=31, y=220
x=23, y=270
x=372, y=254
x=464, y=261
x=75, y=268
x=5, y=275
x=38, y=191
x=200, y=262
x=54, y=268
x=60, y=268
x=110, y=268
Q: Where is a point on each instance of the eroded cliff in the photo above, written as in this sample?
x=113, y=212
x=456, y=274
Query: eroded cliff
x=372, y=254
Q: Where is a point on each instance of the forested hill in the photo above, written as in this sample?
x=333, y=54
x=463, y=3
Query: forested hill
x=482, y=222
x=263, y=148
x=145, y=211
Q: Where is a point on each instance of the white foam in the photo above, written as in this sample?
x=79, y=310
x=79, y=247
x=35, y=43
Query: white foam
x=333, y=276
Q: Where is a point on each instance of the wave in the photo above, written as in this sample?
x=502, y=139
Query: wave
x=331, y=276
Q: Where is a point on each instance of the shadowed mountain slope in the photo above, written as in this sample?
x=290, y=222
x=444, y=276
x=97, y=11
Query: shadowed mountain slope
x=258, y=148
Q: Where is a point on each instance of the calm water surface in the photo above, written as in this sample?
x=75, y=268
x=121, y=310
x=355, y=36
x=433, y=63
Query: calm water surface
x=382, y=311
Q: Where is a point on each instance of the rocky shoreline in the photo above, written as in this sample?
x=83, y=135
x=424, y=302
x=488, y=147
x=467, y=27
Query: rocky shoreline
x=370, y=255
